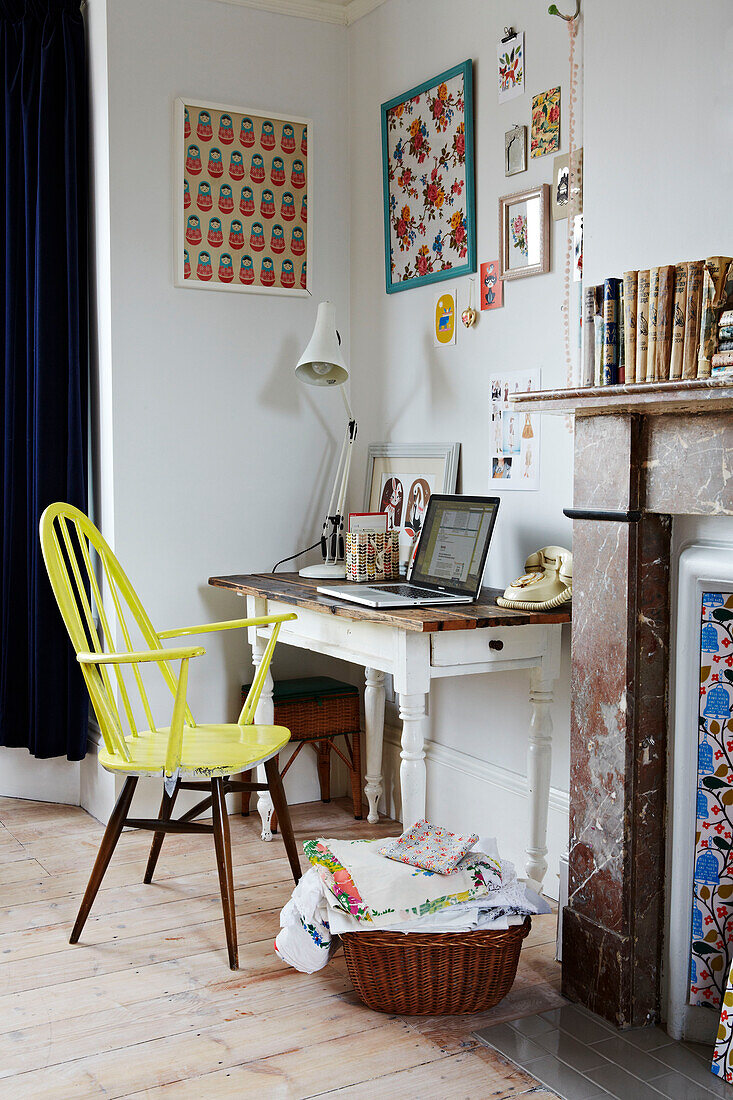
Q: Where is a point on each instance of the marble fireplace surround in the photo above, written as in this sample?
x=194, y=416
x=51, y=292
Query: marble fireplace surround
x=647, y=452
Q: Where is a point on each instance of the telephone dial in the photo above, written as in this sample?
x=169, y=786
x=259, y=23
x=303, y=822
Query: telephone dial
x=547, y=582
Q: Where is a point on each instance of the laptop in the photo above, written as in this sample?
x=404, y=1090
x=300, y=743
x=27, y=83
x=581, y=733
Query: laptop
x=450, y=558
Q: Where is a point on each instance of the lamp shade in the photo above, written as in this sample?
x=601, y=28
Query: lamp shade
x=322, y=362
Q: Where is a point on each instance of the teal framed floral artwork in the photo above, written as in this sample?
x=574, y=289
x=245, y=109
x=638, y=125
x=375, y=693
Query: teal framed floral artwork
x=429, y=191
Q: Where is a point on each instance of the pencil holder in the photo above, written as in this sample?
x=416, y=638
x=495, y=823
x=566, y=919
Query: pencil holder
x=372, y=556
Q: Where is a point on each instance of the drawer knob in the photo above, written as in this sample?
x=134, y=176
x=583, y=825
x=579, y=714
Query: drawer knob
x=496, y=643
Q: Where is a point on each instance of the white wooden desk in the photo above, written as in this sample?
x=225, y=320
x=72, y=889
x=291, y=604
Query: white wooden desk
x=415, y=646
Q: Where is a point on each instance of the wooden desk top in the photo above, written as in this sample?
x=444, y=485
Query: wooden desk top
x=301, y=591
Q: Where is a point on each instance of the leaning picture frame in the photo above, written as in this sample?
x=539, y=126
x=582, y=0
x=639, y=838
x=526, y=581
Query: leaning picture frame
x=524, y=233
x=428, y=178
x=401, y=478
x=240, y=199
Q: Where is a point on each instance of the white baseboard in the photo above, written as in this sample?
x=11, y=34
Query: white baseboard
x=23, y=776
x=465, y=792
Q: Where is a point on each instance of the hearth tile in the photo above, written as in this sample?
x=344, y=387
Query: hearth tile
x=647, y=1038
x=582, y=1025
x=570, y=1084
x=633, y=1060
x=689, y=1065
x=676, y=1087
x=508, y=1041
x=623, y=1085
x=703, y=1051
x=574, y=1053
x=531, y=1026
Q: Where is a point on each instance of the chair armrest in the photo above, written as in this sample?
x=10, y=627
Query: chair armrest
x=181, y=653
x=229, y=624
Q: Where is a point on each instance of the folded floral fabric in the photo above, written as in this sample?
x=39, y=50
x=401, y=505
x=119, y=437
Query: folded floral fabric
x=304, y=940
x=385, y=892
x=430, y=847
x=509, y=904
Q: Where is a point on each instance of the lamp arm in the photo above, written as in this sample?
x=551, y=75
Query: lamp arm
x=347, y=406
x=335, y=490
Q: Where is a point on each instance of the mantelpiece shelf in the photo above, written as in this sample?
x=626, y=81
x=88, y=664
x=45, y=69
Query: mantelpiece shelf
x=696, y=395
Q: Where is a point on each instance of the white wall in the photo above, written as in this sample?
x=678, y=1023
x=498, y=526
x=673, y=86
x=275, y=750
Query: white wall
x=211, y=461
x=406, y=390
x=658, y=163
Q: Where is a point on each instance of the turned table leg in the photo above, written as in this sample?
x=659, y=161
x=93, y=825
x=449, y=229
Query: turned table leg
x=539, y=760
x=265, y=716
x=374, y=725
x=412, y=768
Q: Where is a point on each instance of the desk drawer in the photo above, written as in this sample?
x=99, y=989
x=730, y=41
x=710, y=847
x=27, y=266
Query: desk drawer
x=486, y=645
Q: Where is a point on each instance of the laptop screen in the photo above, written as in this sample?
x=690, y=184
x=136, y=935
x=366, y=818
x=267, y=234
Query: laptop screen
x=455, y=542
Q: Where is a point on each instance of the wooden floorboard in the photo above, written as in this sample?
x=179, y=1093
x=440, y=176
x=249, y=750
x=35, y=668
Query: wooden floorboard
x=145, y=1005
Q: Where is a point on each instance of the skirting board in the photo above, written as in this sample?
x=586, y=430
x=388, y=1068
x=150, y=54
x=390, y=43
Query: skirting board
x=23, y=776
x=465, y=792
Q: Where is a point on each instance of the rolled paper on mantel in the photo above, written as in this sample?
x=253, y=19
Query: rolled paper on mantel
x=651, y=353
x=589, y=317
x=610, y=331
x=631, y=305
x=621, y=335
x=642, y=325
x=692, y=318
x=598, y=335
x=715, y=277
x=678, y=321
x=665, y=301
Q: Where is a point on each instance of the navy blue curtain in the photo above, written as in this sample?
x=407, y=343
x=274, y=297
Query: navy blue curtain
x=44, y=347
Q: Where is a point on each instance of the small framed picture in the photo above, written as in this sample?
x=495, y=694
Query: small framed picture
x=400, y=479
x=560, y=187
x=515, y=151
x=524, y=233
x=491, y=286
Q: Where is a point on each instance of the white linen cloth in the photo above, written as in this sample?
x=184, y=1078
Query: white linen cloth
x=382, y=892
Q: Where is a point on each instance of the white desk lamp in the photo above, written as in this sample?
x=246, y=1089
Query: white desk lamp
x=322, y=364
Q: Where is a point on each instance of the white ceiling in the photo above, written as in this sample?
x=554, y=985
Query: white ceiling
x=344, y=12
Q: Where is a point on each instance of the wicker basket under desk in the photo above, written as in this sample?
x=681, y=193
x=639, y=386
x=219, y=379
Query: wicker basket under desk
x=433, y=973
x=316, y=710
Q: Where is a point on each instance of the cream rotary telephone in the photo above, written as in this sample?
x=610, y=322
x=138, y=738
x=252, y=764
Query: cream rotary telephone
x=547, y=583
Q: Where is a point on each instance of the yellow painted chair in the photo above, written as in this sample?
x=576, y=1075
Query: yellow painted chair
x=179, y=752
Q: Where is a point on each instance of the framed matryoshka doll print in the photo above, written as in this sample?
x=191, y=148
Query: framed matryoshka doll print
x=241, y=200
x=428, y=166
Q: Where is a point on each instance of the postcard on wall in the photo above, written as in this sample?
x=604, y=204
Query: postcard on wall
x=514, y=433
x=444, y=322
x=578, y=248
x=492, y=286
x=510, y=67
x=242, y=182
x=545, y=137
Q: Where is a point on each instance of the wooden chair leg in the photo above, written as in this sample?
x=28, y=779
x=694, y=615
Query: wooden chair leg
x=106, y=848
x=324, y=770
x=223, y=845
x=356, y=774
x=164, y=814
x=246, y=795
x=275, y=783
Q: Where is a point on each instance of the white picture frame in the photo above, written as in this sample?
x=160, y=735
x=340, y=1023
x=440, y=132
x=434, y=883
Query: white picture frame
x=180, y=213
x=420, y=469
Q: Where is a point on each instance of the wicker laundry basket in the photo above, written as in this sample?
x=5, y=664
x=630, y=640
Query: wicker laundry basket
x=433, y=973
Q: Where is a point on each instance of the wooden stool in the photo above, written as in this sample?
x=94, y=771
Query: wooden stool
x=317, y=710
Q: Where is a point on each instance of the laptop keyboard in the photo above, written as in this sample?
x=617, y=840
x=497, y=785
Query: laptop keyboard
x=406, y=590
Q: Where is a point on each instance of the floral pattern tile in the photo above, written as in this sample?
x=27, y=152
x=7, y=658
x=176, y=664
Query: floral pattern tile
x=712, y=909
